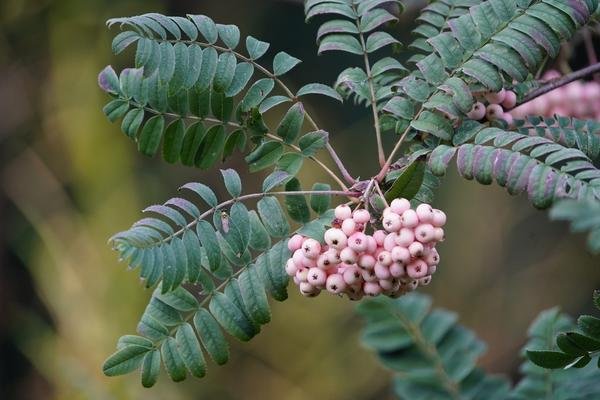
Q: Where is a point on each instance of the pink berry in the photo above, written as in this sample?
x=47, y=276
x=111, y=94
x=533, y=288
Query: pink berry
x=397, y=270
x=366, y=261
x=371, y=244
x=384, y=258
x=424, y=281
x=302, y=274
x=352, y=275
x=477, y=111
x=392, y=222
x=379, y=237
x=399, y=205
x=309, y=262
x=296, y=280
x=335, y=283
x=493, y=112
x=508, y=118
x=295, y=242
x=290, y=267
x=324, y=262
x=335, y=238
x=298, y=256
x=316, y=277
x=410, y=219
x=405, y=237
x=368, y=275
x=307, y=289
x=424, y=212
x=343, y=211
x=439, y=218
x=361, y=216
x=386, y=284
x=438, y=234
x=591, y=91
x=400, y=255
x=371, y=289
x=425, y=233
x=417, y=269
x=311, y=248
x=432, y=269
x=349, y=227
x=390, y=241
x=416, y=249
x=432, y=258
x=358, y=242
x=510, y=100
x=497, y=97
x=574, y=91
x=381, y=271
x=348, y=256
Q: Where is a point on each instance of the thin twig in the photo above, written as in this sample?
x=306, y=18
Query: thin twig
x=558, y=82
x=373, y=99
x=381, y=193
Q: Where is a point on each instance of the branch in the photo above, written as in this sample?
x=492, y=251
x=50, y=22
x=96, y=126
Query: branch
x=558, y=82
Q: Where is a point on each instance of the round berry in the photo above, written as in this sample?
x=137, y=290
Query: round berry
x=416, y=249
x=510, y=100
x=424, y=281
x=384, y=258
x=398, y=206
x=432, y=258
x=366, y=261
x=379, y=237
x=324, y=262
x=410, y=219
x=390, y=241
x=311, y=248
x=371, y=289
x=368, y=275
x=397, y=270
x=412, y=285
x=307, y=289
x=477, y=111
x=290, y=267
x=381, y=271
x=508, y=118
x=349, y=227
x=348, y=256
x=309, y=262
x=392, y=222
x=439, y=234
x=352, y=275
x=400, y=255
x=371, y=244
x=295, y=242
x=302, y=274
x=425, y=233
x=493, y=112
x=439, y=218
x=361, y=216
x=386, y=284
x=298, y=256
x=424, y=212
x=335, y=284
x=417, y=269
x=432, y=269
x=343, y=211
x=316, y=277
x=358, y=242
x=405, y=237
x=496, y=97
x=335, y=238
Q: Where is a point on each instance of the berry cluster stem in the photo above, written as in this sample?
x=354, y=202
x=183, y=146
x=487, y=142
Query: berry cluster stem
x=558, y=82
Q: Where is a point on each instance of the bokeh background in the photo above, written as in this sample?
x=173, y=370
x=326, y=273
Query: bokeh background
x=69, y=179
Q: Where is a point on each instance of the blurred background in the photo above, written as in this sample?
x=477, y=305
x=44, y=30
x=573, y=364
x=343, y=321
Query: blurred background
x=69, y=179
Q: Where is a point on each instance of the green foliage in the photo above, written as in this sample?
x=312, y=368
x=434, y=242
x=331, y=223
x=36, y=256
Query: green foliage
x=573, y=348
x=195, y=93
x=431, y=355
x=584, y=215
x=493, y=44
x=582, y=382
x=538, y=165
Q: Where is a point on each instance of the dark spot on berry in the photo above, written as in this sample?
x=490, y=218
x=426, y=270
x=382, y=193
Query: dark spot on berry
x=315, y=276
x=334, y=242
x=334, y=287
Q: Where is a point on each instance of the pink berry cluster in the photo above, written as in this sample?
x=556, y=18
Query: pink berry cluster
x=494, y=109
x=577, y=99
x=390, y=261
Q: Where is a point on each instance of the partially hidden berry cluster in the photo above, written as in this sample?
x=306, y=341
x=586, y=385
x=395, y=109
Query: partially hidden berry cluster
x=491, y=106
x=390, y=261
x=578, y=99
